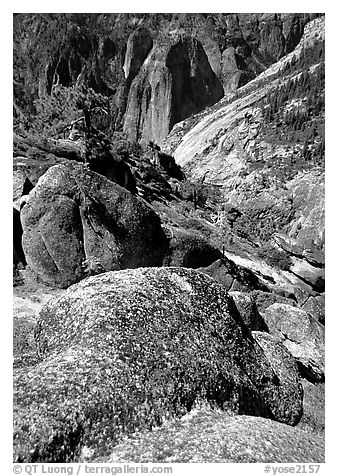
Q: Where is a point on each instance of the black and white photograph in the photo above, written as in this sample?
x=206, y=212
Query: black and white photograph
x=168, y=241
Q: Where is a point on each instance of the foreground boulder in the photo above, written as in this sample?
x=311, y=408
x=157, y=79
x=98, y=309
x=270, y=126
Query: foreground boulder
x=209, y=436
x=313, y=418
x=302, y=335
x=126, y=350
x=283, y=364
x=76, y=222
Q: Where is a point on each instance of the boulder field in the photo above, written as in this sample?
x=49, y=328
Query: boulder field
x=127, y=350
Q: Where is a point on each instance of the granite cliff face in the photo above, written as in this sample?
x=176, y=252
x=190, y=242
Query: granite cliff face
x=175, y=82
x=263, y=145
x=152, y=68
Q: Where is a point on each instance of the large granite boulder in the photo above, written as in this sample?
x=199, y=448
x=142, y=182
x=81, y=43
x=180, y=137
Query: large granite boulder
x=127, y=350
x=209, y=436
x=315, y=305
x=76, y=222
x=302, y=335
x=313, y=407
x=283, y=364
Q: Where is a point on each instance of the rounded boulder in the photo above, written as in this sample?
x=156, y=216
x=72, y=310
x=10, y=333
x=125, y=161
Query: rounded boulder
x=128, y=350
x=78, y=223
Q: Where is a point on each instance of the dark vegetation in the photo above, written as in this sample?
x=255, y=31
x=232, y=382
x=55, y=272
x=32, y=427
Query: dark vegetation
x=294, y=113
x=274, y=257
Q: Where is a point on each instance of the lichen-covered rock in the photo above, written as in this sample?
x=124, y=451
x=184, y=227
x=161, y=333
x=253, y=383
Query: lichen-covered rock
x=302, y=335
x=313, y=407
x=209, y=436
x=76, y=222
x=315, y=305
x=248, y=310
x=127, y=350
x=284, y=365
x=24, y=320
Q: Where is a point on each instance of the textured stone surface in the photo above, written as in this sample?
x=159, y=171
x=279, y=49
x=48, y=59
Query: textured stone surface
x=247, y=308
x=138, y=46
x=302, y=335
x=313, y=407
x=313, y=276
x=285, y=367
x=175, y=82
x=316, y=307
x=308, y=226
x=271, y=277
x=76, y=221
x=125, y=350
x=209, y=436
x=264, y=300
